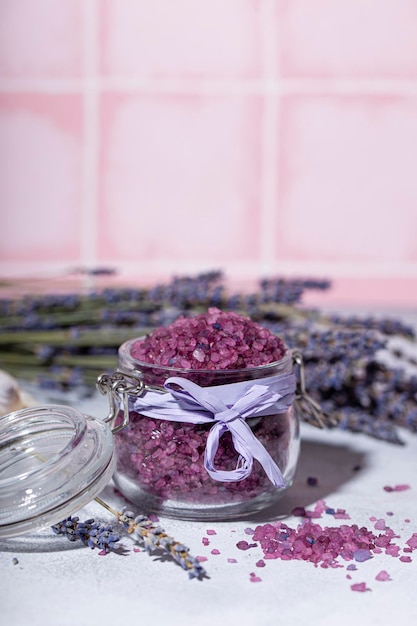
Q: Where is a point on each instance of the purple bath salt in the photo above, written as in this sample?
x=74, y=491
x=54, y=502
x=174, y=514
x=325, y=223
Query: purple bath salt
x=216, y=340
x=359, y=587
x=323, y=545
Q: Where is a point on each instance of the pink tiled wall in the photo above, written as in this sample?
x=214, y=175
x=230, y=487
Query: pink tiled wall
x=262, y=137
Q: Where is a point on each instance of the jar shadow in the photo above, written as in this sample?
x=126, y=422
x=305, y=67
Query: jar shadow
x=322, y=469
x=43, y=540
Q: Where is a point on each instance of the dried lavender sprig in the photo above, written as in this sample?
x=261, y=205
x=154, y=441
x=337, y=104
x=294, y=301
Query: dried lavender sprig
x=153, y=536
x=91, y=533
x=102, y=536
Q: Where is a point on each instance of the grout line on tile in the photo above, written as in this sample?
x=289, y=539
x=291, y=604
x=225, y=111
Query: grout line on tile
x=270, y=144
x=327, y=86
x=89, y=233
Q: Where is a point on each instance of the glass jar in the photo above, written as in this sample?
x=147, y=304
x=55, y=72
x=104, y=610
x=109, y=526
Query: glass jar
x=230, y=463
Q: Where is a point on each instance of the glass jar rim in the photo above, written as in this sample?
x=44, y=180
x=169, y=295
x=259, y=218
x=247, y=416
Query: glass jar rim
x=125, y=355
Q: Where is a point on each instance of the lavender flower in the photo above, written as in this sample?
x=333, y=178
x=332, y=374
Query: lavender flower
x=153, y=537
x=91, y=533
x=150, y=535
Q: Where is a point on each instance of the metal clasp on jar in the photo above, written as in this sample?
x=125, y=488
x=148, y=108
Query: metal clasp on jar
x=117, y=385
x=311, y=410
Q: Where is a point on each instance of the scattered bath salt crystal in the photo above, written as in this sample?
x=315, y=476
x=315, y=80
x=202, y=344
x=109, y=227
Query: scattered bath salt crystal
x=383, y=575
x=210, y=531
x=407, y=550
x=352, y=567
x=201, y=559
x=397, y=488
x=349, y=576
x=205, y=541
x=377, y=550
x=359, y=587
x=372, y=518
x=230, y=560
x=248, y=531
x=298, y=511
x=312, y=481
x=320, y=508
x=215, y=551
x=102, y=553
x=392, y=550
x=136, y=549
x=362, y=555
x=380, y=524
x=244, y=545
x=406, y=559
x=254, y=578
x=412, y=541
x=407, y=521
x=260, y=563
x=341, y=516
x=390, y=513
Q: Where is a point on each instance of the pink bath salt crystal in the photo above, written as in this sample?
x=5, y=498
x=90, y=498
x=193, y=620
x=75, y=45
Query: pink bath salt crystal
x=254, y=578
x=408, y=550
x=406, y=559
x=299, y=511
x=390, y=513
x=380, y=524
x=407, y=521
x=397, y=488
x=260, y=563
x=244, y=545
x=359, y=587
x=383, y=575
x=215, y=551
x=349, y=576
x=392, y=550
x=210, y=531
x=136, y=549
x=341, y=516
x=230, y=560
x=201, y=559
x=412, y=542
x=248, y=531
x=372, y=518
x=318, y=510
x=205, y=541
x=102, y=553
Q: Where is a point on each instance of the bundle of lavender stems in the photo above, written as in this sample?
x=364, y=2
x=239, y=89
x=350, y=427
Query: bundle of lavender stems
x=63, y=341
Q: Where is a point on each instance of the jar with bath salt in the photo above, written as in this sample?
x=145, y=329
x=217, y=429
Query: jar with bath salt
x=203, y=424
x=214, y=433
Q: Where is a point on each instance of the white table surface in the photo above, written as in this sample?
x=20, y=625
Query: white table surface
x=58, y=583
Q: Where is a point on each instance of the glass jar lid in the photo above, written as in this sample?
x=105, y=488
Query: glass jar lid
x=53, y=461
